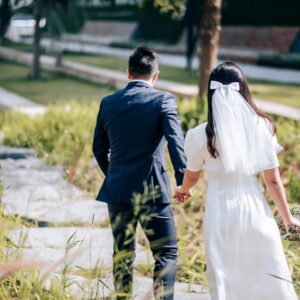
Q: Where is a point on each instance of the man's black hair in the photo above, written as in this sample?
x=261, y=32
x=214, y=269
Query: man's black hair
x=143, y=63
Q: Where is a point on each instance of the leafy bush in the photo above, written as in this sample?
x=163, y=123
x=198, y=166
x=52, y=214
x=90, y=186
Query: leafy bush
x=165, y=28
x=190, y=113
x=58, y=135
x=288, y=133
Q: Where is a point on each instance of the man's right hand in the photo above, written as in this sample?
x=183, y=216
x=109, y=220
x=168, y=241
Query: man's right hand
x=181, y=195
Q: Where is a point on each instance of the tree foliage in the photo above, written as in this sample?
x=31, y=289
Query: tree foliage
x=209, y=32
x=176, y=7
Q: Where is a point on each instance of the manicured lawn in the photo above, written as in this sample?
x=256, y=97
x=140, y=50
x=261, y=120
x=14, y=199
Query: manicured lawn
x=280, y=93
x=55, y=88
x=120, y=64
x=51, y=88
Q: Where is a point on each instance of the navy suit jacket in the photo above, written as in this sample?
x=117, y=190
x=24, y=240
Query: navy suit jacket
x=129, y=143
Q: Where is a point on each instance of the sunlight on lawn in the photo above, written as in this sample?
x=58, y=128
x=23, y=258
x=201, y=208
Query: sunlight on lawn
x=275, y=92
x=51, y=88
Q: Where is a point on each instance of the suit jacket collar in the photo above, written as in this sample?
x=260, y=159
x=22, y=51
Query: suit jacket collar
x=140, y=83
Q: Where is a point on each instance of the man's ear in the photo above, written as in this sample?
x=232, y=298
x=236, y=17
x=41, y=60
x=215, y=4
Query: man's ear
x=155, y=76
x=129, y=76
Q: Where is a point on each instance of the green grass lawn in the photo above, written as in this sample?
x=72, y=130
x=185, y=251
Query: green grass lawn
x=51, y=88
x=288, y=94
x=120, y=64
x=280, y=93
x=55, y=88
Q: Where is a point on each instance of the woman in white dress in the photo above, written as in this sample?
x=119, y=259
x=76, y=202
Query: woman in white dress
x=244, y=255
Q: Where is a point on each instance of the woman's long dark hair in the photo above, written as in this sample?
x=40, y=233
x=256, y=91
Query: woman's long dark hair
x=226, y=73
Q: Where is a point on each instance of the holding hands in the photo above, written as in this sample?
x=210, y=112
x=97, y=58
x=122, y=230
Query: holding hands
x=182, y=195
x=183, y=192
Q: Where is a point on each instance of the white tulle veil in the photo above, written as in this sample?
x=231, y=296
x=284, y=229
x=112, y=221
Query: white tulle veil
x=244, y=140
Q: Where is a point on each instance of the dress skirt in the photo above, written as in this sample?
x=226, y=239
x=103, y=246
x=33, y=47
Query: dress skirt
x=244, y=254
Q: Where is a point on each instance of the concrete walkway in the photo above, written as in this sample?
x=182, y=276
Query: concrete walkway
x=251, y=71
x=242, y=54
x=20, y=104
x=119, y=79
x=279, y=109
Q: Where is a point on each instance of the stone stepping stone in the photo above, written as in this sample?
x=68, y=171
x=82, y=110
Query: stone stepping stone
x=93, y=246
x=80, y=212
x=142, y=288
x=183, y=291
x=34, y=190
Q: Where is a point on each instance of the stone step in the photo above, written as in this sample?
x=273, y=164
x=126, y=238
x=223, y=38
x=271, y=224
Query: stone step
x=103, y=288
x=35, y=191
x=93, y=246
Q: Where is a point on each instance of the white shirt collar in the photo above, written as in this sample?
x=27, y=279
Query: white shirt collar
x=141, y=80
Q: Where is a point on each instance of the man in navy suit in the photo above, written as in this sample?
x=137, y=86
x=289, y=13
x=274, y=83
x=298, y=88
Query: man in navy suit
x=132, y=126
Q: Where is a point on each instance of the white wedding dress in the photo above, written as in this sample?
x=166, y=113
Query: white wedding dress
x=244, y=254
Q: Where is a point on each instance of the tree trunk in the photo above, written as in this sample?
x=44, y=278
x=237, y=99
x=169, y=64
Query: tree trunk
x=36, y=68
x=209, y=38
x=5, y=17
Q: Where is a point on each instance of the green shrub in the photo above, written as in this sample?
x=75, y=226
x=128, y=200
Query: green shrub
x=165, y=28
x=58, y=135
x=288, y=60
x=190, y=113
x=288, y=133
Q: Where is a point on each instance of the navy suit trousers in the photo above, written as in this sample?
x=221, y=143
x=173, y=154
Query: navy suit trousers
x=158, y=224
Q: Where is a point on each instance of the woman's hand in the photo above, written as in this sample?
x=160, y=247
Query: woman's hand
x=182, y=195
x=292, y=222
x=292, y=229
x=183, y=192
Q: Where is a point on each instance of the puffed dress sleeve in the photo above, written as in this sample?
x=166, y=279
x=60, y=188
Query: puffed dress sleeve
x=194, y=151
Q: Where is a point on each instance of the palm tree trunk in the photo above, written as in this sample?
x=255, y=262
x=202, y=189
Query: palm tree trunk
x=209, y=38
x=36, y=68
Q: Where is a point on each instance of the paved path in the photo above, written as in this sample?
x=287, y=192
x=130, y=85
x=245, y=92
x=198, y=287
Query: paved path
x=247, y=54
x=119, y=79
x=279, y=109
x=251, y=71
x=38, y=192
x=20, y=104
